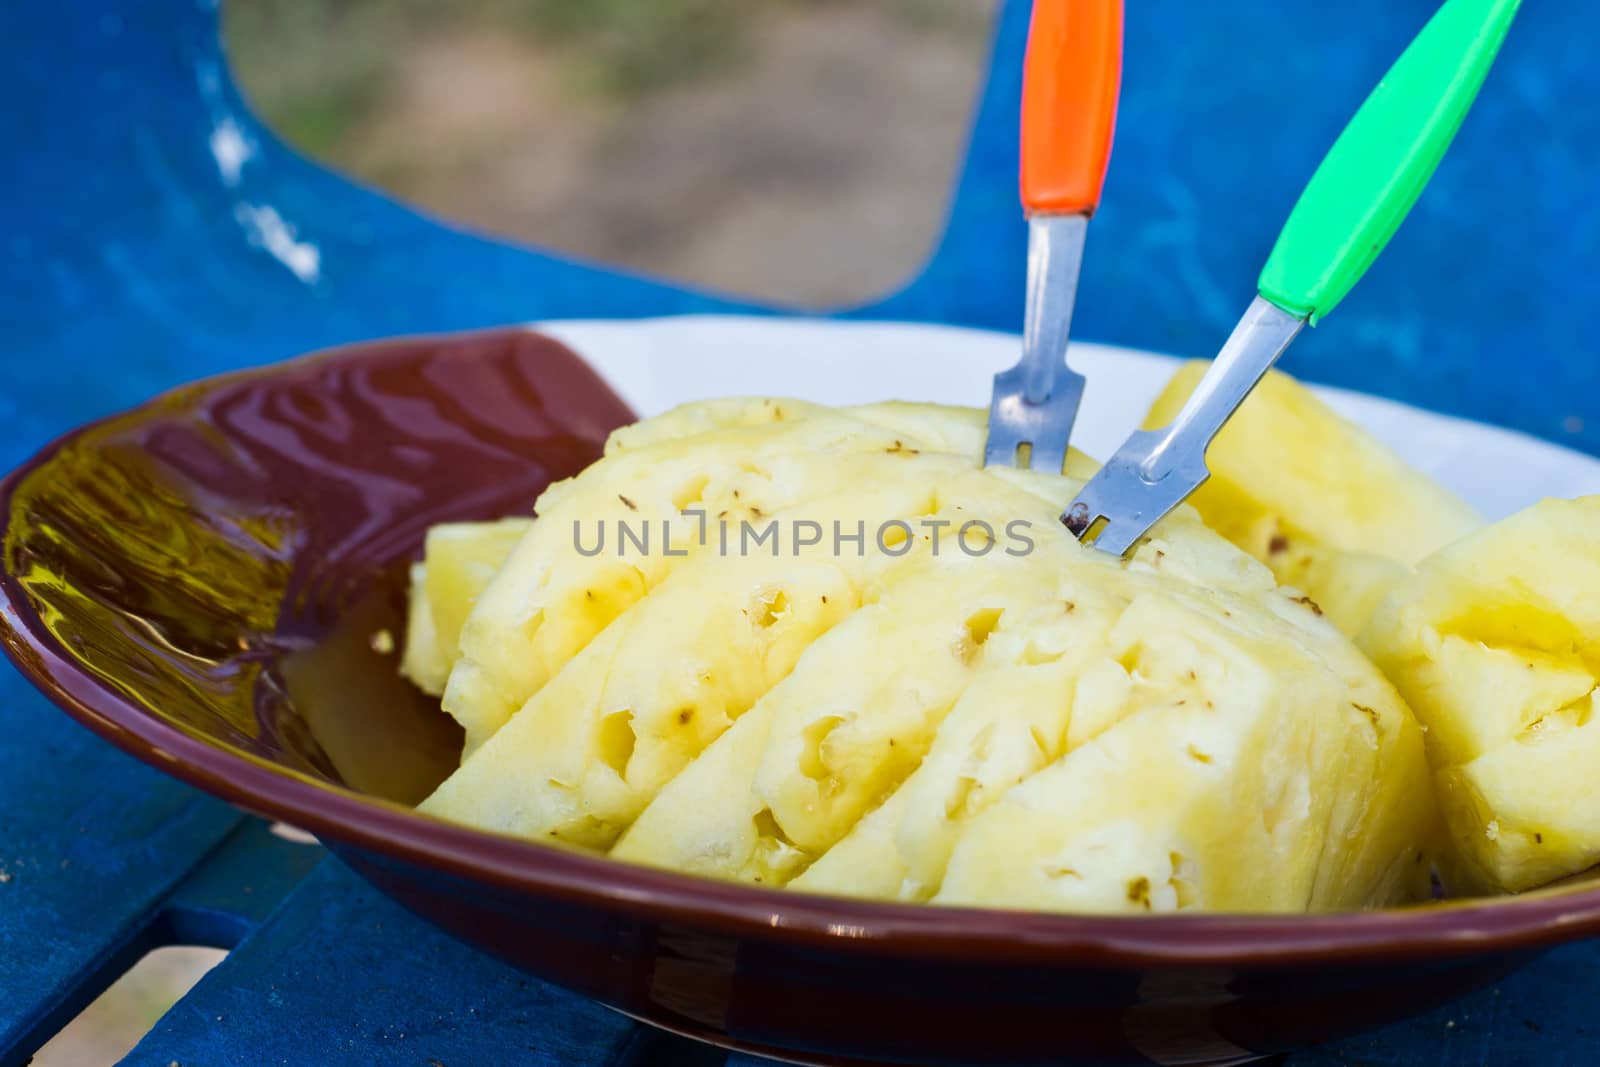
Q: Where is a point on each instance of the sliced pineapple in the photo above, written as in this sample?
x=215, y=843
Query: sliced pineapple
x=1011, y=721
x=550, y=599
x=1496, y=644
x=935, y=427
x=824, y=766
x=1287, y=455
x=1347, y=585
x=663, y=681
x=709, y=821
x=1081, y=645
x=1248, y=780
x=836, y=754
x=858, y=712
x=1326, y=505
x=459, y=560
x=1196, y=744
x=462, y=558
x=594, y=745
x=851, y=721
x=703, y=416
x=757, y=460
x=1528, y=812
x=871, y=721
x=423, y=659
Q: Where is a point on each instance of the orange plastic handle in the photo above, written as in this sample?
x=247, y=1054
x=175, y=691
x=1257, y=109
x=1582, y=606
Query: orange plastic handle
x=1070, y=83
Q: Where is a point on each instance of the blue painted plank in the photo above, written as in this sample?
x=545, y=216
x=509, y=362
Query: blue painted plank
x=1542, y=1016
x=341, y=976
x=235, y=887
x=90, y=842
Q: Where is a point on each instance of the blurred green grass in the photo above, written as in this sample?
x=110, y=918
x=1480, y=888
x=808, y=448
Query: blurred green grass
x=320, y=68
x=796, y=150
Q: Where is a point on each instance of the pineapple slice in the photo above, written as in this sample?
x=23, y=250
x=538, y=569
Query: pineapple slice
x=1528, y=812
x=1496, y=644
x=1223, y=790
x=757, y=460
x=858, y=711
x=1010, y=722
x=462, y=558
x=591, y=747
x=943, y=428
x=1327, y=506
x=550, y=600
x=834, y=755
x=1081, y=645
x=704, y=416
x=709, y=821
x=1347, y=585
x=423, y=659
x=594, y=745
x=850, y=722
x=1189, y=773
x=866, y=722
x=459, y=560
x=1286, y=455
x=936, y=427
x=587, y=752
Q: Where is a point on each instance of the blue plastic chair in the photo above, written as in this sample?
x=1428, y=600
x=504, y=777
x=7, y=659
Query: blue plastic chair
x=156, y=232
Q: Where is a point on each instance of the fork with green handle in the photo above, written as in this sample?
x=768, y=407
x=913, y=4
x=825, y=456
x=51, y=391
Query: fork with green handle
x=1354, y=203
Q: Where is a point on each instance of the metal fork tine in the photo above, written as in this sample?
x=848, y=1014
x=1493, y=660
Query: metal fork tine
x=1155, y=470
x=1070, y=83
x=1036, y=402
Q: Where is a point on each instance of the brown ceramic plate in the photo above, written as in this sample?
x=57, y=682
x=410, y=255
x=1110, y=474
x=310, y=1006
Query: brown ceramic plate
x=200, y=581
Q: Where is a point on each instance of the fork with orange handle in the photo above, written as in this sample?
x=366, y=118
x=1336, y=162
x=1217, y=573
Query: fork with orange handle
x=1070, y=82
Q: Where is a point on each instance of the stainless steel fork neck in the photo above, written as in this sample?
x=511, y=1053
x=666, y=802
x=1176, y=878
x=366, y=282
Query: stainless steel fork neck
x=1155, y=470
x=1055, y=256
x=1250, y=351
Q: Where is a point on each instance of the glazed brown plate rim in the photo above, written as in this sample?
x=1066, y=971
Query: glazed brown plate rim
x=1455, y=928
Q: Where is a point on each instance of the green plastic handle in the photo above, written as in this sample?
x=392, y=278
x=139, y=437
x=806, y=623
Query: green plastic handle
x=1380, y=163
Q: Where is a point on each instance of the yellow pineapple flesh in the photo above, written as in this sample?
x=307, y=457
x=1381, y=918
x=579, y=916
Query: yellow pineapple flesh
x=732, y=460
x=1331, y=509
x=1496, y=645
x=459, y=560
x=635, y=706
x=924, y=724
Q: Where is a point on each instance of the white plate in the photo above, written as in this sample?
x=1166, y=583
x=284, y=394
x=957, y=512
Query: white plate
x=657, y=363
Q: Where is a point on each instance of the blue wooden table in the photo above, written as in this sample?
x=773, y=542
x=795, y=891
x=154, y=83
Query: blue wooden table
x=152, y=231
